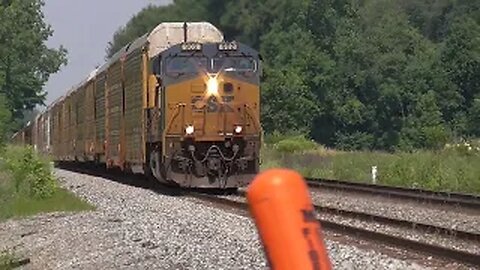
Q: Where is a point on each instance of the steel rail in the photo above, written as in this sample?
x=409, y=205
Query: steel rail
x=427, y=228
x=446, y=198
x=435, y=250
x=430, y=249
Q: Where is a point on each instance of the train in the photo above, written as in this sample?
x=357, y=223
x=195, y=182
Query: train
x=179, y=104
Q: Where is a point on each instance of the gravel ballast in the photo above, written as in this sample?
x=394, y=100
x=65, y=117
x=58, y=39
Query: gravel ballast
x=137, y=228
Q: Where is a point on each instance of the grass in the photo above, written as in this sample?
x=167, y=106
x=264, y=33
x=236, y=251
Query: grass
x=61, y=201
x=28, y=187
x=6, y=259
x=10, y=261
x=452, y=169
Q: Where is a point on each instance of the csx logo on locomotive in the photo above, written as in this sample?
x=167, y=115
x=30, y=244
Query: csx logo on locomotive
x=212, y=105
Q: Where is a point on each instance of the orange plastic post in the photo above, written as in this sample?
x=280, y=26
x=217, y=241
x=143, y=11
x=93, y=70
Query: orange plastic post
x=285, y=218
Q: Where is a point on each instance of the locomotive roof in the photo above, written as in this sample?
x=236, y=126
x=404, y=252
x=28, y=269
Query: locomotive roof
x=166, y=35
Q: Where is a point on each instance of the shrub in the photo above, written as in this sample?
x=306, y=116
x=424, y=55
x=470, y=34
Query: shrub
x=31, y=173
x=5, y=117
x=295, y=144
x=275, y=137
x=435, y=137
x=6, y=259
x=471, y=148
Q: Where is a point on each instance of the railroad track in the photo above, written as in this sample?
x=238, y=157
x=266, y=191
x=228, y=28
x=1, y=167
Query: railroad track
x=426, y=196
x=400, y=223
x=461, y=256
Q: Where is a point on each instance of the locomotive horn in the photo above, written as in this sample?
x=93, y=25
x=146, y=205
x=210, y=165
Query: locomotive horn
x=185, y=32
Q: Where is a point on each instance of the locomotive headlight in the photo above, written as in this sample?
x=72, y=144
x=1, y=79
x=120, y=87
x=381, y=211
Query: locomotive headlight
x=189, y=130
x=238, y=129
x=212, y=86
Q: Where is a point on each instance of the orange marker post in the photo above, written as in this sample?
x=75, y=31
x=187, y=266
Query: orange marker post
x=285, y=218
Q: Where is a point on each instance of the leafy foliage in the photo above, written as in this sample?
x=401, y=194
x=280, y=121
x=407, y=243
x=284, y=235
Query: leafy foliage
x=6, y=260
x=25, y=61
x=5, y=117
x=31, y=173
x=28, y=187
x=295, y=144
x=353, y=74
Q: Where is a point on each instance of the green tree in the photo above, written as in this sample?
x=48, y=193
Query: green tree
x=287, y=102
x=323, y=18
x=25, y=61
x=295, y=75
x=5, y=117
x=383, y=67
x=140, y=24
x=461, y=59
x=248, y=21
x=424, y=128
x=474, y=117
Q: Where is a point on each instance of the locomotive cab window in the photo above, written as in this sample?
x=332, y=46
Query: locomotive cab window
x=242, y=65
x=179, y=65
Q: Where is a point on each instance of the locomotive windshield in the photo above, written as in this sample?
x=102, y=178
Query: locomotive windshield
x=178, y=66
x=234, y=64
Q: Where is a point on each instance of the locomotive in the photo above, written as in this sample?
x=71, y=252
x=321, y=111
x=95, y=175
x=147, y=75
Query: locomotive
x=179, y=104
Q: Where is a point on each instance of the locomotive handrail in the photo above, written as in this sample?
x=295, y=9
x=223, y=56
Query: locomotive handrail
x=255, y=121
x=182, y=106
x=177, y=106
x=224, y=117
